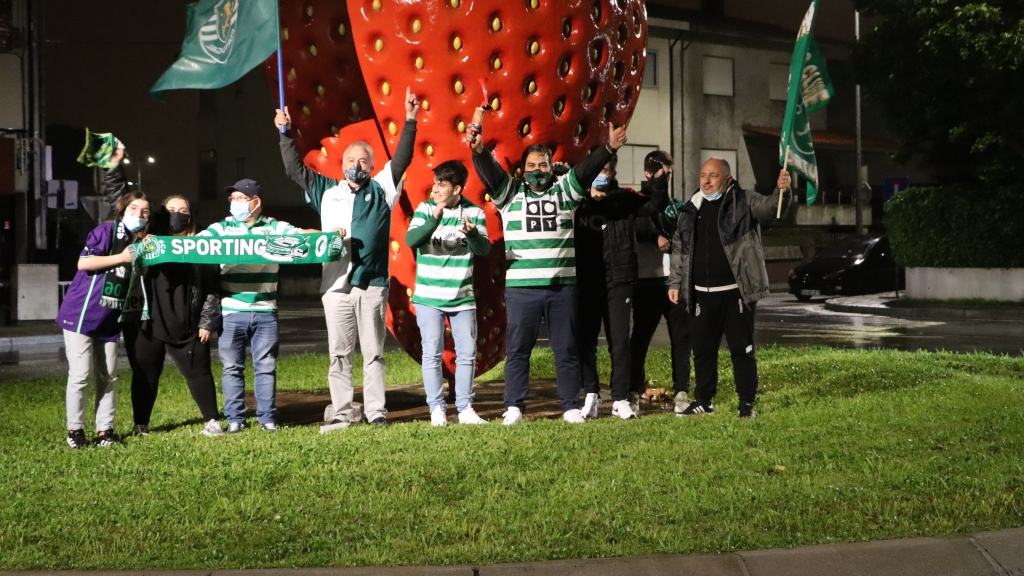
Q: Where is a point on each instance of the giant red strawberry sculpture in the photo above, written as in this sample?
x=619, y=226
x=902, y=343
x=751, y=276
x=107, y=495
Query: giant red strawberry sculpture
x=557, y=71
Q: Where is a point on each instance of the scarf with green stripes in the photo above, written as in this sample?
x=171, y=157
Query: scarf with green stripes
x=311, y=248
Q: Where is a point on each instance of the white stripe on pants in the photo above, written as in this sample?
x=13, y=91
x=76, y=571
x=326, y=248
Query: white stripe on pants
x=360, y=312
x=87, y=355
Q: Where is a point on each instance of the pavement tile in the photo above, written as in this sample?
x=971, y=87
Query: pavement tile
x=952, y=556
x=694, y=565
x=1005, y=547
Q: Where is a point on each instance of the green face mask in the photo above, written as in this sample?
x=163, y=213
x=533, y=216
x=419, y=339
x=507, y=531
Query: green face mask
x=539, y=180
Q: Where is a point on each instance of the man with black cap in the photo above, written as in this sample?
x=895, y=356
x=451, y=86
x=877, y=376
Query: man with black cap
x=249, y=305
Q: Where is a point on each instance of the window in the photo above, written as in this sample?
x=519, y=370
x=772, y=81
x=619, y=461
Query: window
x=778, y=82
x=651, y=70
x=630, y=169
x=718, y=80
x=727, y=155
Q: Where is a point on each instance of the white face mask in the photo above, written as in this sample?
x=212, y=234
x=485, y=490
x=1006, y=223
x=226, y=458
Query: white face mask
x=133, y=223
x=712, y=197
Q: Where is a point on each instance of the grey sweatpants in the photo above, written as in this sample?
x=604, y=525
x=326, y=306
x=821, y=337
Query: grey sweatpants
x=87, y=355
x=358, y=313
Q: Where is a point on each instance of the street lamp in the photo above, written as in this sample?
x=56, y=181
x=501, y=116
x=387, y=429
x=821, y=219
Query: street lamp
x=150, y=160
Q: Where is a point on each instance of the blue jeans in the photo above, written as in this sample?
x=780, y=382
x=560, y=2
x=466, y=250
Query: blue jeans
x=431, y=323
x=259, y=331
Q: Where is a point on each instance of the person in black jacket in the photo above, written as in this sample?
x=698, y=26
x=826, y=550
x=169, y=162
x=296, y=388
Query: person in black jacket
x=606, y=266
x=718, y=272
x=180, y=309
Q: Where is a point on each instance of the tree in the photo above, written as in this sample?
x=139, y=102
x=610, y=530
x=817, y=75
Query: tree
x=948, y=77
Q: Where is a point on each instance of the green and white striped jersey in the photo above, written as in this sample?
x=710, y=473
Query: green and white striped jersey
x=444, y=258
x=248, y=287
x=539, y=234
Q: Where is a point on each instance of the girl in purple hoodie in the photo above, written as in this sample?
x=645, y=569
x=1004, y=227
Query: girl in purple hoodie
x=89, y=316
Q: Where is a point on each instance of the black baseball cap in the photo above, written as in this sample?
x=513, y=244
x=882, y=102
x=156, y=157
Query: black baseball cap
x=249, y=187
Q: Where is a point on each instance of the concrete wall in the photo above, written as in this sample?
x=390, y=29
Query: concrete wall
x=716, y=122
x=650, y=123
x=1006, y=284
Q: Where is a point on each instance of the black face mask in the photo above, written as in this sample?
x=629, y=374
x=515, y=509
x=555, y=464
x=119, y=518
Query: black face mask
x=178, y=222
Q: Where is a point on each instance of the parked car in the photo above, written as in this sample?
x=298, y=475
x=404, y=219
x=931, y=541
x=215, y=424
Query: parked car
x=849, y=267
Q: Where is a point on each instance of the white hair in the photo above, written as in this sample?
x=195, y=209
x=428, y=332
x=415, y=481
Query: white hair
x=366, y=147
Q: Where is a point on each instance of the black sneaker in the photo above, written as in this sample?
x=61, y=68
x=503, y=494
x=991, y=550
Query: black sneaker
x=379, y=421
x=76, y=439
x=108, y=438
x=697, y=407
x=747, y=410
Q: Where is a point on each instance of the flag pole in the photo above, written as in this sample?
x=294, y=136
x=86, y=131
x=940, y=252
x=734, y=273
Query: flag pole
x=280, y=66
x=778, y=215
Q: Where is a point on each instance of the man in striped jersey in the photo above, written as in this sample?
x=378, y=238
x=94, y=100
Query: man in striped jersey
x=447, y=231
x=537, y=215
x=355, y=288
x=249, y=304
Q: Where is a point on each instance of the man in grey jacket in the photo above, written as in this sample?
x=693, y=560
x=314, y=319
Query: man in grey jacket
x=718, y=272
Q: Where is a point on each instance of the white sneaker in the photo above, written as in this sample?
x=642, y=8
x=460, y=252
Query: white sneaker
x=574, y=416
x=336, y=424
x=469, y=416
x=439, y=416
x=590, y=405
x=212, y=429
x=634, y=402
x=235, y=427
x=512, y=416
x=681, y=402
x=623, y=410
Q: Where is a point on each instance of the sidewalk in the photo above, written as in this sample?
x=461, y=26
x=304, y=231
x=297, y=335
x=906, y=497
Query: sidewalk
x=983, y=554
x=882, y=305
x=30, y=333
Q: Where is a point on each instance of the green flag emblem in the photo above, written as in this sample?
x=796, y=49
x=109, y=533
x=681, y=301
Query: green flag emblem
x=810, y=89
x=224, y=39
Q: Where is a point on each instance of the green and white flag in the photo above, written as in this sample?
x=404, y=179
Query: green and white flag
x=99, y=149
x=810, y=89
x=224, y=39
x=311, y=248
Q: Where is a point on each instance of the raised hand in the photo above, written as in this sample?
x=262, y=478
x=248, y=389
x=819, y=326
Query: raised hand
x=118, y=155
x=467, y=226
x=785, y=180
x=412, y=105
x=283, y=120
x=438, y=211
x=475, y=141
x=616, y=136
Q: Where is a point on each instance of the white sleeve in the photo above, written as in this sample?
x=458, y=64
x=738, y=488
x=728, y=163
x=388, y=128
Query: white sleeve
x=387, y=182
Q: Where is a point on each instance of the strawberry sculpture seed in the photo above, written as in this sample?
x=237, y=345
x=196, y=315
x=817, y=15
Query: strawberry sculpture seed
x=556, y=71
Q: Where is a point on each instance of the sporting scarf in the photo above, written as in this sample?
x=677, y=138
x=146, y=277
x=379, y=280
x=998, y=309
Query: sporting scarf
x=311, y=248
x=116, y=281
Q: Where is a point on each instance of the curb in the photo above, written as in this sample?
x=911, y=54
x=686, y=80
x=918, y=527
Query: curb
x=998, y=553
x=997, y=314
x=15, y=342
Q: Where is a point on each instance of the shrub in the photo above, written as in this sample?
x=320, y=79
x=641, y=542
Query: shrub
x=957, y=227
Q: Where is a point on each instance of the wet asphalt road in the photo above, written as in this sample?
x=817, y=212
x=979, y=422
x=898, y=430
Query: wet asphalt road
x=781, y=320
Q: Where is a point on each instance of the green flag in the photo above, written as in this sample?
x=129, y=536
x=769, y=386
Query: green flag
x=99, y=149
x=224, y=39
x=310, y=248
x=810, y=89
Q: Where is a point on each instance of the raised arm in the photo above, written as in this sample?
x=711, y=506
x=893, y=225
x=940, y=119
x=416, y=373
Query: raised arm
x=487, y=168
x=403, y=152
x=657, y=196
x=765, y=209
x=591, y=166
x=115, y=183
x=313, y=184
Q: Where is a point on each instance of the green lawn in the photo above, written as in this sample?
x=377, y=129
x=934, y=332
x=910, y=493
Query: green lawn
x=848, y=445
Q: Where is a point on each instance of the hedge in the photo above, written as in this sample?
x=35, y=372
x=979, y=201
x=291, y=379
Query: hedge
x=957, y=227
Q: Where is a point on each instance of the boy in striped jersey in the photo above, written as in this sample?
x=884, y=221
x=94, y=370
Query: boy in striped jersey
x=249, y=304
x=447, y=231
x=537, y=215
